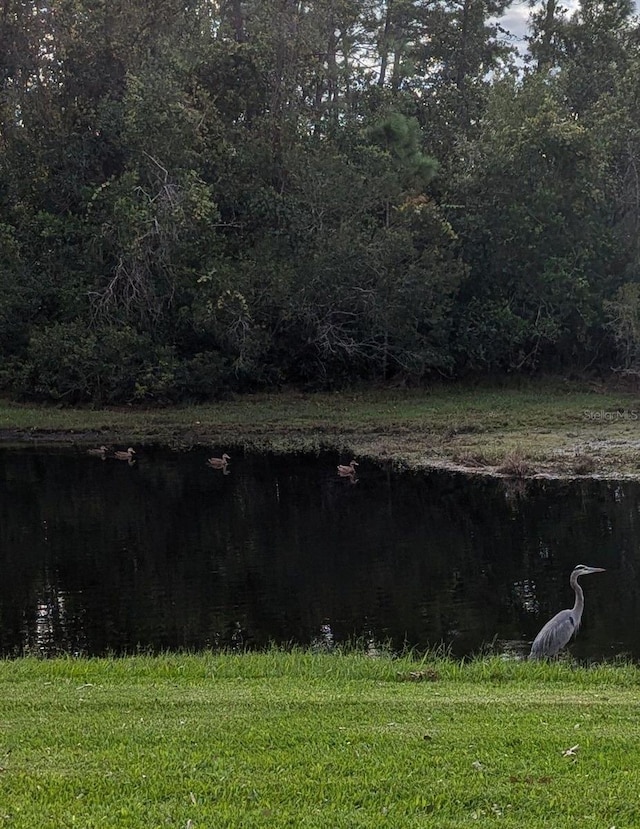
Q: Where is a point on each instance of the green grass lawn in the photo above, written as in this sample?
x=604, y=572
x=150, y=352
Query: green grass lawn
x=325, y=740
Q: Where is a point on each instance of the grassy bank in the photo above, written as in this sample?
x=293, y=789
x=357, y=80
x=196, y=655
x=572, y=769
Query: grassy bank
x=541, y=428
x=301, y=740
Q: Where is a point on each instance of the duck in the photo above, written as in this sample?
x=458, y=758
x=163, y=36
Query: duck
x=100, y=452
x=219, y=463
x=347, y=470
x=125, y=456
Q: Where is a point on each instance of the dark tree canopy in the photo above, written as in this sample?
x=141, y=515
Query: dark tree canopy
x=203, y=196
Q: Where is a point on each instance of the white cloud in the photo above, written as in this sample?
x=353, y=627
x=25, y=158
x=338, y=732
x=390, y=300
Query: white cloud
x=515, y=20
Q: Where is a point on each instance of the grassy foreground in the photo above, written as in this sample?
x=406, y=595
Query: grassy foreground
x=544, y=427
x=316, y=740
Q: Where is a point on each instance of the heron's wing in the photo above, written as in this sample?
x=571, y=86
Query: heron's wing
x=554, y=635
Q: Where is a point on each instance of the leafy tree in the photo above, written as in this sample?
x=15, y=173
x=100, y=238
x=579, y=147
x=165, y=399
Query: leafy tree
x=200, y=196
x=547, y=23
x=537, y=232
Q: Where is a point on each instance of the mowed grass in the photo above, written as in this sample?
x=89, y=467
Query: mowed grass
x=317, y=740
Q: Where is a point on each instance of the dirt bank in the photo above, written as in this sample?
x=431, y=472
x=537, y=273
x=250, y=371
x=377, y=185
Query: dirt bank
x=509, y=454
x=541, y=429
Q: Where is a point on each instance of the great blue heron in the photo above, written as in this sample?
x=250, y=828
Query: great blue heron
x=557, y=632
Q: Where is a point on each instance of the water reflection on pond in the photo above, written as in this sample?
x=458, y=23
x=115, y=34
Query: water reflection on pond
x=103, y=556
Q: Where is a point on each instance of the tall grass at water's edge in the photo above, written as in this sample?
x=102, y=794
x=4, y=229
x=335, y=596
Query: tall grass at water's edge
x=349, y=663
x=317, y=740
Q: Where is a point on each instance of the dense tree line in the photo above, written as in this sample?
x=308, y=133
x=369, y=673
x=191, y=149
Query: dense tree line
x=205, y=195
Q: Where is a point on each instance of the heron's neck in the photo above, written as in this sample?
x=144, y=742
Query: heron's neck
x=579, y=602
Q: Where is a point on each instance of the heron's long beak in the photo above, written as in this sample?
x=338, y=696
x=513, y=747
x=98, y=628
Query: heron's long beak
x=597, y=570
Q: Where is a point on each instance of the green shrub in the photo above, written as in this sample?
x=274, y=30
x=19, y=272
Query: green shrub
x=71, y=363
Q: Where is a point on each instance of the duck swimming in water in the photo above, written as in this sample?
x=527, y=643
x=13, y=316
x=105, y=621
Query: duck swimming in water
x=219, y=463
x=125, y=456
x=347, y=470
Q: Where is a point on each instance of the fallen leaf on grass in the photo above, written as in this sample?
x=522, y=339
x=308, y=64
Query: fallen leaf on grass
x=428, y=675
x=570, y=752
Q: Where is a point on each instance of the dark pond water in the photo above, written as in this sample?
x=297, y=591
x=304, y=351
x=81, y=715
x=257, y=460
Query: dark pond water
x=99, y=556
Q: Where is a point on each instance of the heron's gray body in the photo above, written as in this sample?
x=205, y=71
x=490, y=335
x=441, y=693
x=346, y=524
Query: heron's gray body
x=559, y=630
x=555, y=634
